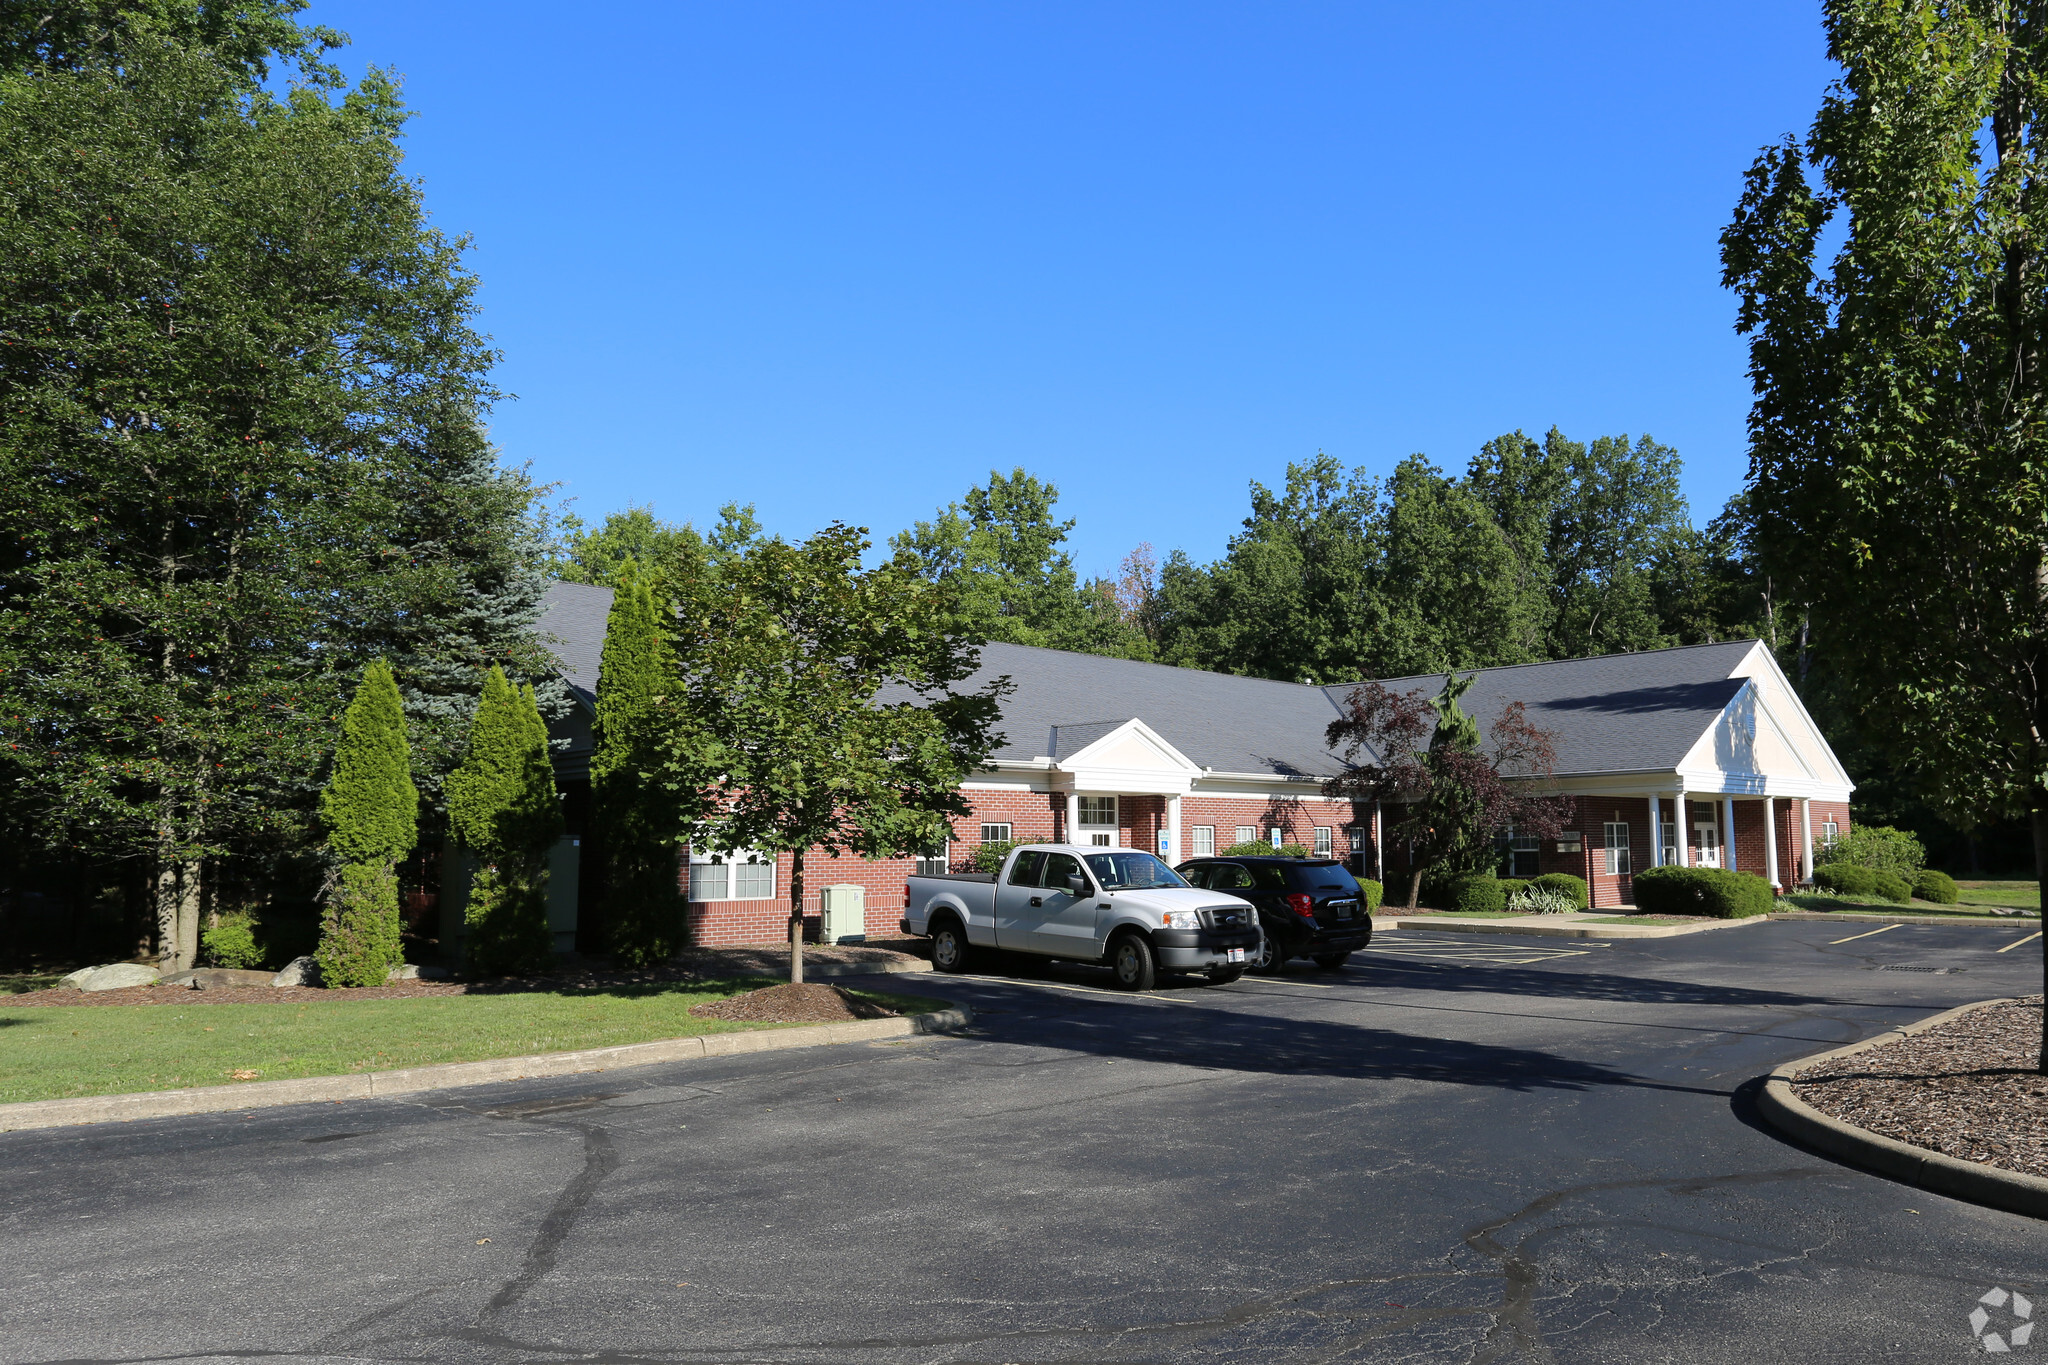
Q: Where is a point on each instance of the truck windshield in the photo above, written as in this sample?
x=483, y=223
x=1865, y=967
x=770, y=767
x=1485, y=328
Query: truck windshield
x=1131, y=871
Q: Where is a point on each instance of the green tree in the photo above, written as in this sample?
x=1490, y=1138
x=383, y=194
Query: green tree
x=997, y=551
x=636, y=535
x=1899, y=437
x=236, y=363
x=503, y=808
x=1458, y=590
x=817, y=706
x=637, y=819
x=1294, y=596
x=371, y=810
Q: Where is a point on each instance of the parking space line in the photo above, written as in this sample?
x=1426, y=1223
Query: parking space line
x=1853, y=937
x=1275, y=981
x=2028, y=939
x=1151, y=997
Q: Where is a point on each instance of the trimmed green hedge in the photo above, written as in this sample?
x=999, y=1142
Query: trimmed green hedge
x=1853, y=879
x=1478, y=892
x=1567, y=884
x=1510, y=885
x=1712, y=891
x=1936, y=887
x=1371, y=892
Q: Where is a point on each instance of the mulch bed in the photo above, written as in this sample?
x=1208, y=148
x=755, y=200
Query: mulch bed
x=811, y=1003
x=1970, y=1088
x=696, y=964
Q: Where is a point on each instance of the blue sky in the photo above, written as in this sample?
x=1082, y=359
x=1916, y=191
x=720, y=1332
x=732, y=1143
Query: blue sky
x=840, y=260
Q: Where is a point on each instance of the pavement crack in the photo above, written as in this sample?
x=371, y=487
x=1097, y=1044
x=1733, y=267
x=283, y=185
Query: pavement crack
x=600, y=1158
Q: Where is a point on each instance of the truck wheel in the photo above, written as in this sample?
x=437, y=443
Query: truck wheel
x=1330, y=962
x=1130, y=957
x=1223, y=976
x=1270, y=959
x=949, y=947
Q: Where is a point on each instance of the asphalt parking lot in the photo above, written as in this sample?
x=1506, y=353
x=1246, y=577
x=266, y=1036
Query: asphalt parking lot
x=1457, y=1149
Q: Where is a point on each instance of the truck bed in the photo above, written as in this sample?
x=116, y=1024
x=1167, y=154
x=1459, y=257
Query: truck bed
x=984, y=877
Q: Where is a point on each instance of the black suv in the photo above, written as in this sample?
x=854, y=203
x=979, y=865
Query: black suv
x=1308, y=907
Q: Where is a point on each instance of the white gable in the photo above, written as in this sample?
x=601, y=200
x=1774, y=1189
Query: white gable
x=1131, y=758
x=1764, y=742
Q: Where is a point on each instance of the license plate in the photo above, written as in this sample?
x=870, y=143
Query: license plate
x=1233, y=954
x=1344, y=909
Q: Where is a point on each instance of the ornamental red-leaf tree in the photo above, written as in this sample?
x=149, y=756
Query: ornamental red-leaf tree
x=1447, y=792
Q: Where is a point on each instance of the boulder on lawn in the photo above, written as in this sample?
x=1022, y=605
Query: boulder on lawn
x=216, y=978
x=112, y=976
x=300, y=971
x=404, y=971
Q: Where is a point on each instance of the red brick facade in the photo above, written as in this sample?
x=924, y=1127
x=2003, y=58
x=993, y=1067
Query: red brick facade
x=1033, y=817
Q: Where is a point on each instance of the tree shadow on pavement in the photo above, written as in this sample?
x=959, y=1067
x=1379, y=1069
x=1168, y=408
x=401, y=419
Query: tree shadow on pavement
x=1567, y=984
x=1231, y=1040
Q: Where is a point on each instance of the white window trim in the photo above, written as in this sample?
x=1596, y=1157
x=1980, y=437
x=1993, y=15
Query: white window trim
x=1007, y=836
x=1326, y=841
x=1081, y=813
x=726, y=860
x=1614, y=853
x=1247, y=834
x=1202, y=841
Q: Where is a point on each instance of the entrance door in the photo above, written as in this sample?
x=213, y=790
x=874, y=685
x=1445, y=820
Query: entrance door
x=1709, y=840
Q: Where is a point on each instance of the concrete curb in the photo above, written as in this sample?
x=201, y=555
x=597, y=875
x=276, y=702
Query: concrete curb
x=1574, y=929
x=1970, y=1180
x=212, y=1099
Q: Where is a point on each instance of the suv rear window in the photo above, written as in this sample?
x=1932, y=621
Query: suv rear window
x=1324, y=877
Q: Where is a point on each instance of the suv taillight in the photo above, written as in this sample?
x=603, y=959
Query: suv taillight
x=1303, y=904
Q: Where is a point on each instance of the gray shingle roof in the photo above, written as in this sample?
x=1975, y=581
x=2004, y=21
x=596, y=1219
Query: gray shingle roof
x=1615, y=713
x=572, y=625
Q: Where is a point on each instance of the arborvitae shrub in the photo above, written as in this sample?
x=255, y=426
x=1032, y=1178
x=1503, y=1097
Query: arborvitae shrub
x=1937, y=888
x=502, y=806
x=359, y=934
x=1566, y=884
x=507, y=919
x=635, y=816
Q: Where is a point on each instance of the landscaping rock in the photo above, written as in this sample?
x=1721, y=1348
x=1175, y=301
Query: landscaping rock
x=300, y=971
x=404, y=971
x=216, y=978
x=112, y=976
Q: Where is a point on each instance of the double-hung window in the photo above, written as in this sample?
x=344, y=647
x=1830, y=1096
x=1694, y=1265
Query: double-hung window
x=1247, y=834
x=995, y=833
x=731, y=875
x=1523, y=850
x=1325, y=841
x=1202, y=841
x=1098, y=821
x=1829, y=832
x=1670, y=843
x=934, y=861
x=1615, y=854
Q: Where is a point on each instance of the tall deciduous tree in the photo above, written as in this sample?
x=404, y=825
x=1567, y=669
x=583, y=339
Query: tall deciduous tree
x=637, y=818
x=1899, y=438
x=371, y=810
x=1449, y=792
x=818, y=706
x=236, y=366
x=503, y=808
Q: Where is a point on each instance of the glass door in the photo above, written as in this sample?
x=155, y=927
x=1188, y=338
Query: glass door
x=1708, y=839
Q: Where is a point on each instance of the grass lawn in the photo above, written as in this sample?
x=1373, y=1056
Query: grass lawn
x=56, y=1052
x=1836, y=904
x=2024, y=894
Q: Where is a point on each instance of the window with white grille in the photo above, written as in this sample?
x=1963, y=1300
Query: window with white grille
x=1202, y=841
x=933, y=861
x=1829, y=832
x=1325, y=840
x=735, y=875
x=995, y=833
x=1615, y=855
x=1098, y=811
x=1247, y=834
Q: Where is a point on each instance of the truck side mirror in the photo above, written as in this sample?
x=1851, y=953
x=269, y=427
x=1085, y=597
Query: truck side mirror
x=1077, y=883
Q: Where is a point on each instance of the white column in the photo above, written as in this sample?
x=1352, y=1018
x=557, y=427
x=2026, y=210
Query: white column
x=1656, y=831
x=1728, y=833
x=1173, y=854
x=1379, y=851
x=1771, y=843
x=1805, y=839
x=1683, y=817
x=1073, y=831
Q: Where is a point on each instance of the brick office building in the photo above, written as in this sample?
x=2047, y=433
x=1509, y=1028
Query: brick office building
x=1674, y=755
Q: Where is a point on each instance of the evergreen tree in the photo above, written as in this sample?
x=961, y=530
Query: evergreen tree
x=371, y=809
x=238, y=366
x=636, y=821
x=502, y=807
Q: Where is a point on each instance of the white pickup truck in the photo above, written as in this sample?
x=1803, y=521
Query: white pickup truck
x=1089, y=904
